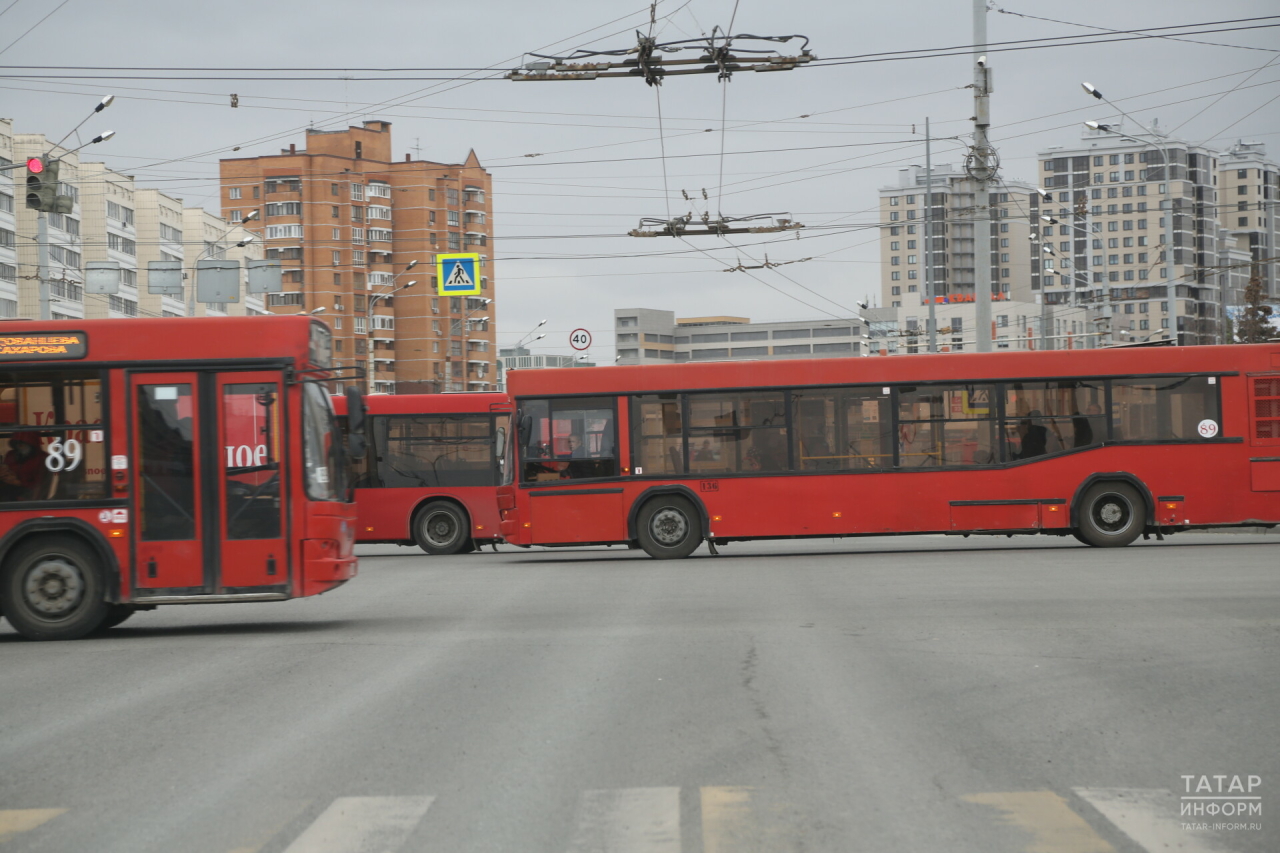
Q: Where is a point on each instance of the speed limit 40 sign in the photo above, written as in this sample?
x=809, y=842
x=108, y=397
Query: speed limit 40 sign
x=580, y=339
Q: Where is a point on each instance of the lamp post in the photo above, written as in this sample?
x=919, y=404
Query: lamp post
x=373, y=300
x=466, y=336
x=213, y=247
x=1166, y=202
x=523, y=339
x=368, y=320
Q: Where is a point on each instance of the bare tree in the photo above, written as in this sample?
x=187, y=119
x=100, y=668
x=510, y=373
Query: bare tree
x=1254, y=326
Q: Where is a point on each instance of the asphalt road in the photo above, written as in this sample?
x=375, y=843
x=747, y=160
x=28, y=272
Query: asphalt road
x=910, y=694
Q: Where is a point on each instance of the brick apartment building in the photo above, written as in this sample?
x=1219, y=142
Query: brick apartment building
x=346, y=220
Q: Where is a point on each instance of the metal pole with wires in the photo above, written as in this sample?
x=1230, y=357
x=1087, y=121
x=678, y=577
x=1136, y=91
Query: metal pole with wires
x=928, y=238
x=981, y=165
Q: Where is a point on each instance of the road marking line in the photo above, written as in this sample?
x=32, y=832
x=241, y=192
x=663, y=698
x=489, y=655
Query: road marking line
x=727, y=823
x=362, y=825
x=1150, y=816
x=17, y=821
x=1054, y=826
x=628, y=820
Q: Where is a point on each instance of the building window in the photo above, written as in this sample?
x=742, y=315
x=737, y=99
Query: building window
x=235, y=192
x=895, y=275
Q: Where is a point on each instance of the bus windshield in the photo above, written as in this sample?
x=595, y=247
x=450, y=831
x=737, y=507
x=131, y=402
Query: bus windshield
x=322, y=447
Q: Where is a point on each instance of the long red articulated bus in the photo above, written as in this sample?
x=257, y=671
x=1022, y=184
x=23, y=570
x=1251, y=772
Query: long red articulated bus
x=431, y=471
x=166, y=461
x=1106, y=445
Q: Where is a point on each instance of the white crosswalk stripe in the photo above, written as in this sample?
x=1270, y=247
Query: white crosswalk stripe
x=1151, y=818
x=362, y=825
x=628, y=820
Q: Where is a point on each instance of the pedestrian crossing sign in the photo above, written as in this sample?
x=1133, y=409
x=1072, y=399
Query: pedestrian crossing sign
x=458, y=275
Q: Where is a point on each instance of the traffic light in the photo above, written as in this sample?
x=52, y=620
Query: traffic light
x=42, y=184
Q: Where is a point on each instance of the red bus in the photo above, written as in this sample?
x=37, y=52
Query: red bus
x=166, y=461
x=1104, y=444
x=431, y=470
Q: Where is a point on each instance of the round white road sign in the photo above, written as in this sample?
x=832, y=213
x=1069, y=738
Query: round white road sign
x=580, y=339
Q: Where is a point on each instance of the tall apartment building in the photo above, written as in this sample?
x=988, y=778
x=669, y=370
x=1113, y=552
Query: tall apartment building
x=1248, y=189
x=651, y=336
x=108, y=231
x=902, y=255
x=65, y=248
x=347, y=220
x=10, y=197
x=1109, y=234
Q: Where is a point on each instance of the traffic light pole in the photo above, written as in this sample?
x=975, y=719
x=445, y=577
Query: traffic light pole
x=42, y=265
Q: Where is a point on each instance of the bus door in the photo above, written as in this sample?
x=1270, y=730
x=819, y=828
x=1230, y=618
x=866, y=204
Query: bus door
x=168, y=484
x=250, y=470
x=207, y=469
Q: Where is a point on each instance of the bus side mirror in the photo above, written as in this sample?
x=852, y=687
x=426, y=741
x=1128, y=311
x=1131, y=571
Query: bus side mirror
x=524, y=429
x=355, y=410
x=501, y=438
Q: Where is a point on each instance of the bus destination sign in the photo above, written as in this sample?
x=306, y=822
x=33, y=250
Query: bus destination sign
x=41, y=347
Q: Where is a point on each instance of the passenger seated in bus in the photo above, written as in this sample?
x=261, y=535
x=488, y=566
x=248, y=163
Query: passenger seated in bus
x=22, y=469
x=706, y=453
x=1034, y=437
x=1083, y=426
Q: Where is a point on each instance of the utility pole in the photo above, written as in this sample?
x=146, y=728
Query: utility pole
x=981, y=164
x=42, y=266
x=928, y=238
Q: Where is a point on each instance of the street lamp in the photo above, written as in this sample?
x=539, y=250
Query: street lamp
x=1166, y=204
x=213, y=247
x=373, y=300
x=467, y=320
x=522, y=340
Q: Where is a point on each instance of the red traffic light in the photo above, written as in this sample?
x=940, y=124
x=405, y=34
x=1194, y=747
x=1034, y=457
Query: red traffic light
x=35, y=165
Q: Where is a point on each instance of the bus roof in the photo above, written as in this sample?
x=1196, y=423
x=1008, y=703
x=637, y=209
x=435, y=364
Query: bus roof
x=460, y=402
x=892, y=369
x=167, y=339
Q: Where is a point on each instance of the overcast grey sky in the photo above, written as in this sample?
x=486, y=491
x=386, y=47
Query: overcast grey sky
x=551, y=210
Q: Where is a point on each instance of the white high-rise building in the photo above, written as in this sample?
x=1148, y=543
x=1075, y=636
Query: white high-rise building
x=1107, y=235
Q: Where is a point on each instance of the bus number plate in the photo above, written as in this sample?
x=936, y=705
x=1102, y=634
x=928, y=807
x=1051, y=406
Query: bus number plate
x=709, y=485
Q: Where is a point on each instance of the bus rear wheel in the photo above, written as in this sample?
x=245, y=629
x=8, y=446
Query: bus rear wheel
x=52, y=589
x=669, y=527
x=1111, y=515
x=442, y=528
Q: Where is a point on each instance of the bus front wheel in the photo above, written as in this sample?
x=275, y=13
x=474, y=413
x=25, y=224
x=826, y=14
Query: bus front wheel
x=52, y=589
x=1111, y=515
x=669, y=527
x=442, y=528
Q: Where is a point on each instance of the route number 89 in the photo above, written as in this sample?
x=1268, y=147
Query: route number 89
x=64, y=455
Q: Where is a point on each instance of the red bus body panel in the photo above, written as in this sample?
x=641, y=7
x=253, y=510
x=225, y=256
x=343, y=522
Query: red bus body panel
x=1232, y=480
x=385, y=514
x=315, y=553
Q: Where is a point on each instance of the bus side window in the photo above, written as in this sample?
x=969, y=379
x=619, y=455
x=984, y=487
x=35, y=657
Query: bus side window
x=844, y=429
x=947, y=426
x=1044, y=418
x=1162, y=409
x=572, y=439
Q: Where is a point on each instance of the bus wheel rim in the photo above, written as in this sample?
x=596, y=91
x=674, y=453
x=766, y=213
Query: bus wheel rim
x=54, y=587
x=441, y=528
x=1112, y=513
x=669, y=526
